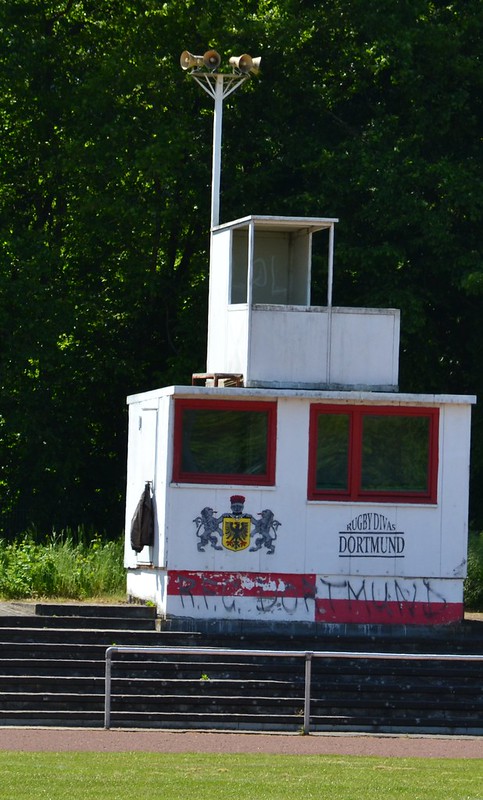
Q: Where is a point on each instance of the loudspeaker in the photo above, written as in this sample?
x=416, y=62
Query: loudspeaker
x=212, y=60
x=189, y=61
x=246, y=63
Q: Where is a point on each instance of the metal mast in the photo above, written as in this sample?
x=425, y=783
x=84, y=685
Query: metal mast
x=219, y=85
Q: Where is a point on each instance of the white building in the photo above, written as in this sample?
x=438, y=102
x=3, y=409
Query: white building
x=297, y=484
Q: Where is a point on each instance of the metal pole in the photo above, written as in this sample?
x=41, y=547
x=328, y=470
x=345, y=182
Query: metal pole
x=251, y=252
x=216, y=169
x=330, y=279
x=330, y=275
x=219, y=86
x=308, y=679
x=107, y=689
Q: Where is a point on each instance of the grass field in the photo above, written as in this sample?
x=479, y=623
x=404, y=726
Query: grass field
x=119, y=776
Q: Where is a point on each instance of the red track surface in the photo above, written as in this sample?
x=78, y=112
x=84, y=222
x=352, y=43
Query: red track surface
x=119, y=741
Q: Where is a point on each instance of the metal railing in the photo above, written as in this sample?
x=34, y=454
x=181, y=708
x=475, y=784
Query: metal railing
x=307, y=655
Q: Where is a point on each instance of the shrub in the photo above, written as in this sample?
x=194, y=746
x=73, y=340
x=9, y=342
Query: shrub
x=474, y=580
x=64, y=566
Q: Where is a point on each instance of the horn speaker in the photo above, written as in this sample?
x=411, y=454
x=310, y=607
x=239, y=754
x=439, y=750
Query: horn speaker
x=246, y=63
x=189, y=61
x=212, y=60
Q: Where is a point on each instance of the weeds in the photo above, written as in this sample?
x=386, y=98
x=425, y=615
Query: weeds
x=64, y=566
x=474, y=581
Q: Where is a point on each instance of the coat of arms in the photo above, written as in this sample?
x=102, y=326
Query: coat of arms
x=236, y=529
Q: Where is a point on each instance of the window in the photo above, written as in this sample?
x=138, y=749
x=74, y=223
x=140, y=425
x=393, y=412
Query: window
x=377, y=453
x=217, y=441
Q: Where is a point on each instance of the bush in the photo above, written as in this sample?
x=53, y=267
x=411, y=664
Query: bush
x=474, y=580
x=67, y=565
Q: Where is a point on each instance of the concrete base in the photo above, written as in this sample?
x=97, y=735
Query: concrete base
x=320, y=631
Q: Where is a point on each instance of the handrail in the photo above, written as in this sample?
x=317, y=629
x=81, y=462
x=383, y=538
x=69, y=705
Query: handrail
x=308, y=655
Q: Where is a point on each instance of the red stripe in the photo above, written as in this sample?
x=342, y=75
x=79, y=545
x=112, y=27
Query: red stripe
x=187, y=583
x=240, y=584
x=388, y=613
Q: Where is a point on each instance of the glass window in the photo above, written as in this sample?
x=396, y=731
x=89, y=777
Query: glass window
x=224, y=442
x=395, y=453
x=333, y=452
x=373, y=453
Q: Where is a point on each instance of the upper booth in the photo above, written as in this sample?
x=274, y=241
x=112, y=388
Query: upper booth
x=262, y=326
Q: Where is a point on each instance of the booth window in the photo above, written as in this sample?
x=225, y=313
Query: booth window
x=230, y=442
x=373, y=454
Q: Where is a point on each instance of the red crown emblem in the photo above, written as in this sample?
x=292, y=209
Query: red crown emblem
x=237, y=498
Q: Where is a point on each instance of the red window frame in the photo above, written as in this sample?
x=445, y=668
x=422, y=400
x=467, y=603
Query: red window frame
x=239, y=479
x=354, y=491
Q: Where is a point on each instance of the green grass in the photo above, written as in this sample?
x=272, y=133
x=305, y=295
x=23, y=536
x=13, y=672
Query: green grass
x=118, y=776
x=67, y=565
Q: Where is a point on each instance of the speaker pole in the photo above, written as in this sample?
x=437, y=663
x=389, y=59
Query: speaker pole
x=219, y=86
x=216, y=167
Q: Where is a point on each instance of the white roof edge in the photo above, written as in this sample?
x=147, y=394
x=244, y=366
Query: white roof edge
x=299, y=222
x=322, y=309
x=349, y=396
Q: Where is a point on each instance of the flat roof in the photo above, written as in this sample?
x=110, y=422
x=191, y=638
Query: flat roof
x=270, y=223
x=344, y=396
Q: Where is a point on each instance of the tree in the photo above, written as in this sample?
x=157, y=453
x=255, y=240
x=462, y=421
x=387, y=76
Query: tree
x=370, y=113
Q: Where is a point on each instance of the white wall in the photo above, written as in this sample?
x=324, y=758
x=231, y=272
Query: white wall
x=297, y=345
x=317, y=541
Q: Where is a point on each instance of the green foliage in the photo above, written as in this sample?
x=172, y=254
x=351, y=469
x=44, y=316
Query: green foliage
x=474, y=580
x=62, y=567
x=366, y=112
x=213, y=776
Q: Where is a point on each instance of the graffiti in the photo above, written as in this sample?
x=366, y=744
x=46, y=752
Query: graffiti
x=229, y=605
x=374, y=599
x=320, y=598
x=290, y=606
x=269, y=276
x=185, y=589
x=235, y=530
x=287, y=598
x=271, y=591
x=432, y=593
x=241, y=584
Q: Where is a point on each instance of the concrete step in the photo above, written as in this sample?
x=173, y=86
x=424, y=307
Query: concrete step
x=52, y=673
x=121, y=611
x=48, y=717
x=134, y=686
x=106, y=636
x=76, y=623
x=50, y=668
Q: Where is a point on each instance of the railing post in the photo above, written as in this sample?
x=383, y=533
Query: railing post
x=308, y=679
x=107, y=689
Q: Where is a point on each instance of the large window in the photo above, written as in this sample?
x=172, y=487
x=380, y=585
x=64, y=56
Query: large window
x=218, y=441
x=377, y=453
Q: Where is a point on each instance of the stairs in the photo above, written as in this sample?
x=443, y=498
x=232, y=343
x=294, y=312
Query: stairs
x=52, y=667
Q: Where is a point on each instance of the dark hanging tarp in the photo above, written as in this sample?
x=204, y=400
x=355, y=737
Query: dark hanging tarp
x=142, y=525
